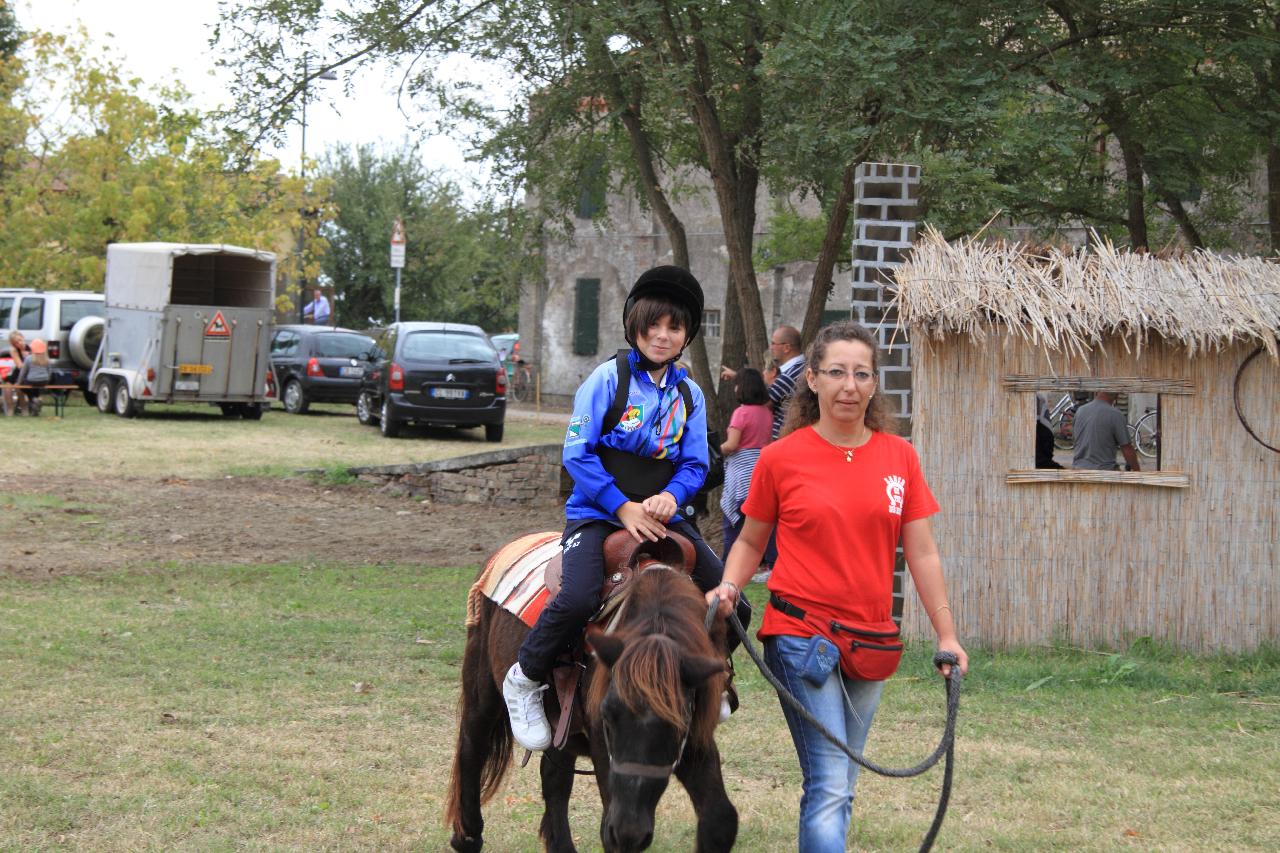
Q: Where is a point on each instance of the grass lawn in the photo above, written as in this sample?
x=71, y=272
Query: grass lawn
x=196, y=441
x=312, y=707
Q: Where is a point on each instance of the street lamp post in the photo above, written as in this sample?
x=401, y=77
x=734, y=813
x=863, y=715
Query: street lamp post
x=305, y=211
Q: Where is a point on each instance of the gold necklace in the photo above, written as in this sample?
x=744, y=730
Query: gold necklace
x=847, y=451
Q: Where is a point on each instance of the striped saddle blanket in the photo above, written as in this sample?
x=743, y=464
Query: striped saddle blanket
x=514, y=578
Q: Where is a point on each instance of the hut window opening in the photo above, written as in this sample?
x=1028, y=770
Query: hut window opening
x=1094, y=429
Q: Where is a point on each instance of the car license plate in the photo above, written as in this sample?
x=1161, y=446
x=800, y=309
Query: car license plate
x=450, y=393
x=351, y=371
x=193, y=385
x=196, y=369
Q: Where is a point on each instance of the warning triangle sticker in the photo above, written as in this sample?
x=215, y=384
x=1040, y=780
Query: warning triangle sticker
x=217, y=327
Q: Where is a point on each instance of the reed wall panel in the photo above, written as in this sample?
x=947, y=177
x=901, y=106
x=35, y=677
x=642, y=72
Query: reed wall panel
x=1101, y=564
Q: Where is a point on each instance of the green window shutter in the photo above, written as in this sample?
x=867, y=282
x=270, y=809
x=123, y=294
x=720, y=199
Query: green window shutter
x=586, y=317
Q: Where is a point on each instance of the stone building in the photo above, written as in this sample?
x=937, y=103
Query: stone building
x=571, y=320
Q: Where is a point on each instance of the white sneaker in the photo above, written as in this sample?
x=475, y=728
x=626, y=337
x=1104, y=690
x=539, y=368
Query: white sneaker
x=524, y=707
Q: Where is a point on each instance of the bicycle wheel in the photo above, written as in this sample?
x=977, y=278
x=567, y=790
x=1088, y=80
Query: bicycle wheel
x=1145, y=435
x=1063, y=437
x=521, y=386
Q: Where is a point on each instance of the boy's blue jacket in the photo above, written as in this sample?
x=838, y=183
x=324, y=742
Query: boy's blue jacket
x=655, y=424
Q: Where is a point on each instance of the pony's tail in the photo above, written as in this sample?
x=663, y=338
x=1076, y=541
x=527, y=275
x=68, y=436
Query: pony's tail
x=484, y=737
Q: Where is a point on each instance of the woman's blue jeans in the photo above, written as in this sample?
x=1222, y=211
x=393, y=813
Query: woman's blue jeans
x=826, y=806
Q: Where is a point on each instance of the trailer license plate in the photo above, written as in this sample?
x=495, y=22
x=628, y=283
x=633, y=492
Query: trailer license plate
x=190, y=385
x=197, y=369
x=450, y=393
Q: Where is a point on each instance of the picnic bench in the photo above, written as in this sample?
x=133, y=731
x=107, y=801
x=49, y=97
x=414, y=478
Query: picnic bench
x=59, y=393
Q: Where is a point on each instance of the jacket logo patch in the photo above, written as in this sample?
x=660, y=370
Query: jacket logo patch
x=576, y=423
x=632, y=418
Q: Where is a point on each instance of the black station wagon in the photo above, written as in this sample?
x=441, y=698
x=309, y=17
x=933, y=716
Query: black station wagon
x=319, y=364
x=442, y=374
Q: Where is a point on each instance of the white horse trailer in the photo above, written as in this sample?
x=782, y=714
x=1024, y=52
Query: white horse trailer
x=186, y=323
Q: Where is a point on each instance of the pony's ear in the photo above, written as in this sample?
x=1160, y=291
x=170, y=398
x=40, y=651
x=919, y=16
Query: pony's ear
x=696, y=669
x=607, y=647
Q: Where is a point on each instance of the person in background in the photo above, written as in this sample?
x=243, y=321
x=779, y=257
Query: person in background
x=785, y=350
x=1044, y=434
x=841, y=491
x=1100, y=430
x=13, y=399
x=317, y=310
x=749, y=430
x=35, y=373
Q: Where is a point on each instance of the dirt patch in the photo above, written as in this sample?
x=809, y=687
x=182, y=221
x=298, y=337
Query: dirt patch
x=75, y=525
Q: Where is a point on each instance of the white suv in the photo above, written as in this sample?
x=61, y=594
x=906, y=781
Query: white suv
x=69, y=321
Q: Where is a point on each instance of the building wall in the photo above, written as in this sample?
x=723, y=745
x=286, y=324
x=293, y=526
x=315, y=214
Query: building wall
x=1101, y=564
x=617, y=251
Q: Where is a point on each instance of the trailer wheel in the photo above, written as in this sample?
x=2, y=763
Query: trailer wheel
x=390, y=426
x=230, y=410
x=253, y=411
x=126, y=406
x=295, y=399
x=364, y=409
x=104, y=392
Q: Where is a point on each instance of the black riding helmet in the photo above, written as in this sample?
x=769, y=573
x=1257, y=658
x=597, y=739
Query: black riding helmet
x=674, y=283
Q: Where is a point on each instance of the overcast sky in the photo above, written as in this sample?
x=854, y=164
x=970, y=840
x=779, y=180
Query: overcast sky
x=163, y=40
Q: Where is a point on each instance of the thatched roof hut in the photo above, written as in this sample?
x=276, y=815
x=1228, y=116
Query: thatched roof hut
x=1187, y=553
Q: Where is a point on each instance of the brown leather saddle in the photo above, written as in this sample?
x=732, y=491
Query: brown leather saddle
x=624, y=558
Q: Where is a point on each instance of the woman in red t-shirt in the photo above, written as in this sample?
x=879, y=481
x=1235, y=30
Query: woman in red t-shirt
x=841, y=492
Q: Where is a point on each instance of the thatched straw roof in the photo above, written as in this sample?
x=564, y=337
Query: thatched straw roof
x=1069, y=300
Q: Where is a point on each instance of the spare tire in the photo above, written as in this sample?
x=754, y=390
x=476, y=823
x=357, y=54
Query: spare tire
x=84, y=340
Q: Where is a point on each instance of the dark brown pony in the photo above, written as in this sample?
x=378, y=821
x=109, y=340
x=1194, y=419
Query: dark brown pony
x=652, y=693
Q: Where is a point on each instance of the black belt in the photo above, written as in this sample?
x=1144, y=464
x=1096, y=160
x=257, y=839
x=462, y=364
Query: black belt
x=786, y=607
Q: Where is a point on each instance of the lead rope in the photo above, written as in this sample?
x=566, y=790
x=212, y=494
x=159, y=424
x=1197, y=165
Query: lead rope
x=946, y=746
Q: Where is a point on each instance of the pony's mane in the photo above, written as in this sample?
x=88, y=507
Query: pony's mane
x=663, y=620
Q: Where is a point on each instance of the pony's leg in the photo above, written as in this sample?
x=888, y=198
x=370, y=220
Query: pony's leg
x=699, y=772
x=556, y=769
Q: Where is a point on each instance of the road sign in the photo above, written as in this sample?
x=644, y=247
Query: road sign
x=397, y=245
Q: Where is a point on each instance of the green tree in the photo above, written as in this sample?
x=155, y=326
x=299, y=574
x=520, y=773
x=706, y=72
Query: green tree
x=462, y=264
x=109, y=162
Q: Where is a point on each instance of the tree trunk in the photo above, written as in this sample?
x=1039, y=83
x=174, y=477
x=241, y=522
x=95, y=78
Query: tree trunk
x=1179, y=213
x=1134, y=186
x=822, y=284
x=1273, y=194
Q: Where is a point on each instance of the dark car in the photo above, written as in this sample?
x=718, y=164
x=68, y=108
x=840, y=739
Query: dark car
x=444, y=374
x=319, y=364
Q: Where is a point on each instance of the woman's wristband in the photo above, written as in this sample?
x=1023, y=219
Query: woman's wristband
x=737, y=593
x=939, y=609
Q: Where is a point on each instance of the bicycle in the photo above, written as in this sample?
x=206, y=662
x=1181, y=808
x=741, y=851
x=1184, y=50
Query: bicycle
x=1145, y=434
x=1061, y=420
x=519, y=380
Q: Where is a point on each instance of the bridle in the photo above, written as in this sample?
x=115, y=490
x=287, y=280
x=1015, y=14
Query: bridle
x=649, y=771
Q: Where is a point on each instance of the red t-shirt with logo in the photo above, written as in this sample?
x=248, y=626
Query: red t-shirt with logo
x=838, y=524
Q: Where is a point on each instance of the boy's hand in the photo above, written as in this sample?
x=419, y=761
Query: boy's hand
x=639, y=523
x=661, y=506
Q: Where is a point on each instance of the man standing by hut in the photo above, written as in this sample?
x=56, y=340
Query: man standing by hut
x=1100, y=430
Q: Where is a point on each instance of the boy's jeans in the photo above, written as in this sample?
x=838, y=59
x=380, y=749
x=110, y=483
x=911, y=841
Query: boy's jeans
x=829, y=775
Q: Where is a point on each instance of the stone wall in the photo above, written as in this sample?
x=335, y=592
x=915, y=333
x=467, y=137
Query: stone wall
x=515, y=476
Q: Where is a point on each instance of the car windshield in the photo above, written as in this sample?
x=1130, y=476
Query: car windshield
x=342, y=345
x=448, y=346
x=75, y=310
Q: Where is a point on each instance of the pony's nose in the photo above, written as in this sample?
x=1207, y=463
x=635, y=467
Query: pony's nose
x=624, y=839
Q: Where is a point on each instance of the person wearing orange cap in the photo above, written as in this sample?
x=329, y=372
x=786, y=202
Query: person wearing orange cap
x=35, y=374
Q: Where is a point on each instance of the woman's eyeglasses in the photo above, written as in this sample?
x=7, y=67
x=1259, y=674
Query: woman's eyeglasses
x=839, y=374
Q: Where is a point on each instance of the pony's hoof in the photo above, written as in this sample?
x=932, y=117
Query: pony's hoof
x=466, y=843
